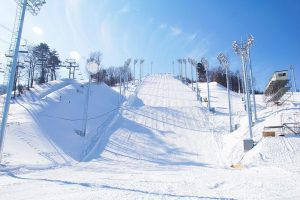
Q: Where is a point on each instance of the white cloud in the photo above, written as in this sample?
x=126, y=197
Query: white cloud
x=75, y=55
x=37, y=30
x=175, y=30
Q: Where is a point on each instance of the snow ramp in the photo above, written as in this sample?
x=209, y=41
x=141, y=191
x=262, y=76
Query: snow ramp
x=164, y=124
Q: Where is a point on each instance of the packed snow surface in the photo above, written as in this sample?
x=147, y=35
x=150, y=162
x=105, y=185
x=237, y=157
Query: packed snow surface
x=156, y=142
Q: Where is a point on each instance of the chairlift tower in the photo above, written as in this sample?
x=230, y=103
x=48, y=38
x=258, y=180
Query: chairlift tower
x=225, y=64
x=241, y=49
x=33, y=6
x=71, y=65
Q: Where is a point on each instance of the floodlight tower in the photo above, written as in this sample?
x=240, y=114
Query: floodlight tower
x=126, y=70
x=250, y=42
x=204, y=62
x=239, y=86
x=293, y=78
x=141, y=66
x=180, y=68
x=241, y=49
x=33, y=6
x=134, y=63
x=194, y=63
x=192, y=77
x=225, y=63
x=173, y=67
x=92, y=68
x=184, y=62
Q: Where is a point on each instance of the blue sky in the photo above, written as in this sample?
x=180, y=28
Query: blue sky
x=165, y=30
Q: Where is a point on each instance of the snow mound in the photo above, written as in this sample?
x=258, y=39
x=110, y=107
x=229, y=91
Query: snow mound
x=44, y=122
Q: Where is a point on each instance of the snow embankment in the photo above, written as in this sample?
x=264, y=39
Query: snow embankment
x=44, y=123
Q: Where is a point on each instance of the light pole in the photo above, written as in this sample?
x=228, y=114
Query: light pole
x=126, y=70
x=204, y=62
x=141, y=70
x=92, y=68
x=33, y=6
x=173, y=67
x=239, y=86
x=184, y=61
x=134, y=63
x=192, y=77
x=241, y=49
x=250, y=41
x=194, y=63
x=225, y=63
x=293, y=77
x=180, y=68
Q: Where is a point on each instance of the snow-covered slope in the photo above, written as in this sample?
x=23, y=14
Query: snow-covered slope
x=43, y=123
x=161, y=144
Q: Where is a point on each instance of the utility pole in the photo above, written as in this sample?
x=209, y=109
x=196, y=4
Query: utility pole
x=33, y=6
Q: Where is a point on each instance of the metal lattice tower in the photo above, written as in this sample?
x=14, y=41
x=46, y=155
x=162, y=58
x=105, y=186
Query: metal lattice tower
x=33, y=6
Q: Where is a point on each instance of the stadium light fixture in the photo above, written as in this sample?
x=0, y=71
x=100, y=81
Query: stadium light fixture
x=250, y=42
x=225, y=64
x=134, y=63
x=180, y=68
x=241, y=49
x=192, y=77
x=184, y=62
x=141, y=68
x=205, y=63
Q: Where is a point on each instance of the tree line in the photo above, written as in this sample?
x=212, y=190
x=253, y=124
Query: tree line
x=38, y=64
